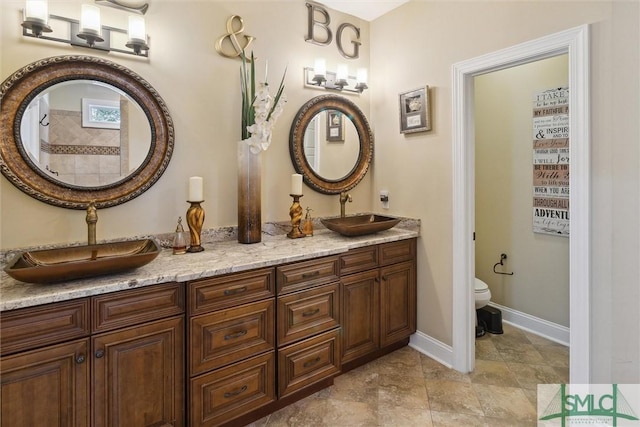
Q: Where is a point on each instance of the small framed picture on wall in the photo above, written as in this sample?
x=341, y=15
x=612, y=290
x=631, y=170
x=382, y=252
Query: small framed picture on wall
x=335, y=126
x=415, y=111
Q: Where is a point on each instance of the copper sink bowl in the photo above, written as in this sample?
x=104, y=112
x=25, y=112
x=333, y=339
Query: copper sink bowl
x=359, y=225
x=75, y=262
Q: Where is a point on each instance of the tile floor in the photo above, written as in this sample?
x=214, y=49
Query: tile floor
x=407, y=388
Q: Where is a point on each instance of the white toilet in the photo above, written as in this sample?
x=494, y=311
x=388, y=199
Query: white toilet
x=483, y=294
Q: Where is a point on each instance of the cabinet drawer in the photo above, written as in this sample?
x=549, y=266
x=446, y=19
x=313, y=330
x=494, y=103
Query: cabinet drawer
x=305, y=313
x=403, y=250
x=227, y=393
x=226, y=336
x=127, y=308
x=307, y=362
x=294, y=277
x=35, y=327
x=359, y=260
x=235, y=289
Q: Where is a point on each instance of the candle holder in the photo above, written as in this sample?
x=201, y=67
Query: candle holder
x=195, y=219
x=295, y=212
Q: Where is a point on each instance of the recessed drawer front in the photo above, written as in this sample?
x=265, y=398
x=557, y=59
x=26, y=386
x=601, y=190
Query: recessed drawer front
x=226, y=336
x=307, y=362
x=235, y=289
x=403, y=250
x=226, y=393
x=300, y=275
x=359, y=260
x=126, y=308
x=305, y=313
x=35, y=327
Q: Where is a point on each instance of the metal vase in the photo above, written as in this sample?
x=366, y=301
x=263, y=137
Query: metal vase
x=249, y=194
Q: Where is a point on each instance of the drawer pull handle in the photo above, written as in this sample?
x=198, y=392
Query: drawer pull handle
x=80, y=359
x=235, y=291
x=235, y=335
x=236, y=392
x=310, y=275
x=99, y=354
x=310, y=312
x=311, y=362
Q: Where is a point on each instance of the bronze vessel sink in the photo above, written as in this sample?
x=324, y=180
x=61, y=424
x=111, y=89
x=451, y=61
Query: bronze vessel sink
x=359, y=225
x=74, y=262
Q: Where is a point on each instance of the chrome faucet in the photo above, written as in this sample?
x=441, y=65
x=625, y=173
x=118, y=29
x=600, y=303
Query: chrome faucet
x=344, y=198
x=92, y=219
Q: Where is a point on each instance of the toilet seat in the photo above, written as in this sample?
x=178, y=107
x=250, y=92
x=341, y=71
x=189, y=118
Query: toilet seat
x=480, y=286
x=482, y=293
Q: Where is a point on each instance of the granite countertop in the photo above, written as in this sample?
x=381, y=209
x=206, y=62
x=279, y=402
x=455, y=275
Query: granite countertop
x=220, y=257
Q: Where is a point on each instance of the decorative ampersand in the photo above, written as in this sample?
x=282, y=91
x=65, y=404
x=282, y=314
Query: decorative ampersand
x=232, y=36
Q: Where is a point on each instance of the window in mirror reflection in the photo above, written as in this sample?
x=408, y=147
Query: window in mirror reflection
x=85, y=133
x=101, y=113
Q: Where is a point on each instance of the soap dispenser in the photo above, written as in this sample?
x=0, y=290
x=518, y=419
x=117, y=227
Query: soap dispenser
x=308, y=224
x=179, y=242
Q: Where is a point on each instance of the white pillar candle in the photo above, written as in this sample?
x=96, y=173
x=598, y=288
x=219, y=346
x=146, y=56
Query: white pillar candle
x=296, y=184
x=196, y=189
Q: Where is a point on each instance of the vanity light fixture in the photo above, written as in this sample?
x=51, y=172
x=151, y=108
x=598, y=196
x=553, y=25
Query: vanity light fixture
x=361, y=78
x=90, y=28
x=319, y=71
x=319, y=78
x=87, y=32
x=342, y=74
x=36, y=17
x=137, y=35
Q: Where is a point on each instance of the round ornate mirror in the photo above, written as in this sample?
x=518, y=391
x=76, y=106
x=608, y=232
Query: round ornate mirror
x=82, y=129
x=331, y=144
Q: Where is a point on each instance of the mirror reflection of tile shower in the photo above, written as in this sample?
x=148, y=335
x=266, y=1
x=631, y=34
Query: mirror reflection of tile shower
x=68, y=145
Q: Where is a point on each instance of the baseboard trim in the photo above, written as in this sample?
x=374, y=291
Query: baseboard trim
x=433, y=348
x=549, y=330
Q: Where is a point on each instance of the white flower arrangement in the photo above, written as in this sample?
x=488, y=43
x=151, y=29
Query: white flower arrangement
x=260, y=111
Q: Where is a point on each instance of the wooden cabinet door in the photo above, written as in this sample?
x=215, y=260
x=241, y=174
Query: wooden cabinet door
x=397, y=302
x=360, y=314
x=138, y=375
x=47, y=386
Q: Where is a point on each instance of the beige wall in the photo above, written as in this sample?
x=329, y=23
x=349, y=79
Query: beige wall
x=202, y=91
x=411, y=46
x=417, y=44
x=504, y=194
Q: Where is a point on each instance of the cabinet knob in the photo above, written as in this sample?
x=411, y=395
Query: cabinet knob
x=99, y=354
x=80, y=358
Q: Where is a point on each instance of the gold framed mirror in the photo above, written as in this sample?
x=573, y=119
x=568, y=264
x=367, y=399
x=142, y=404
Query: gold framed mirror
x=331, y=144
x=79, y=129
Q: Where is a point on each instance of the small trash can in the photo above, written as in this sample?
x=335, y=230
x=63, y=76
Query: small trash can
x=491, y=319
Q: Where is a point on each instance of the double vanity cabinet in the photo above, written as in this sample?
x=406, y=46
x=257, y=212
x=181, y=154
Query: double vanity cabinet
x=226, y=349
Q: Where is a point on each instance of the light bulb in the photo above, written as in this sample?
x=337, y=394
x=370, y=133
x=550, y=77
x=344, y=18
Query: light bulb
x=137, y=31
x=320, y=67
x=90, y=19
x=36, y=11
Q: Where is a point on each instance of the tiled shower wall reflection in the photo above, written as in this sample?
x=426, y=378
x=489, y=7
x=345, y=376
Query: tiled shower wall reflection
x=81, y=155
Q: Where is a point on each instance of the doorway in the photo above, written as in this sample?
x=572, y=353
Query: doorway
x=575, y=43
x=521, y=200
